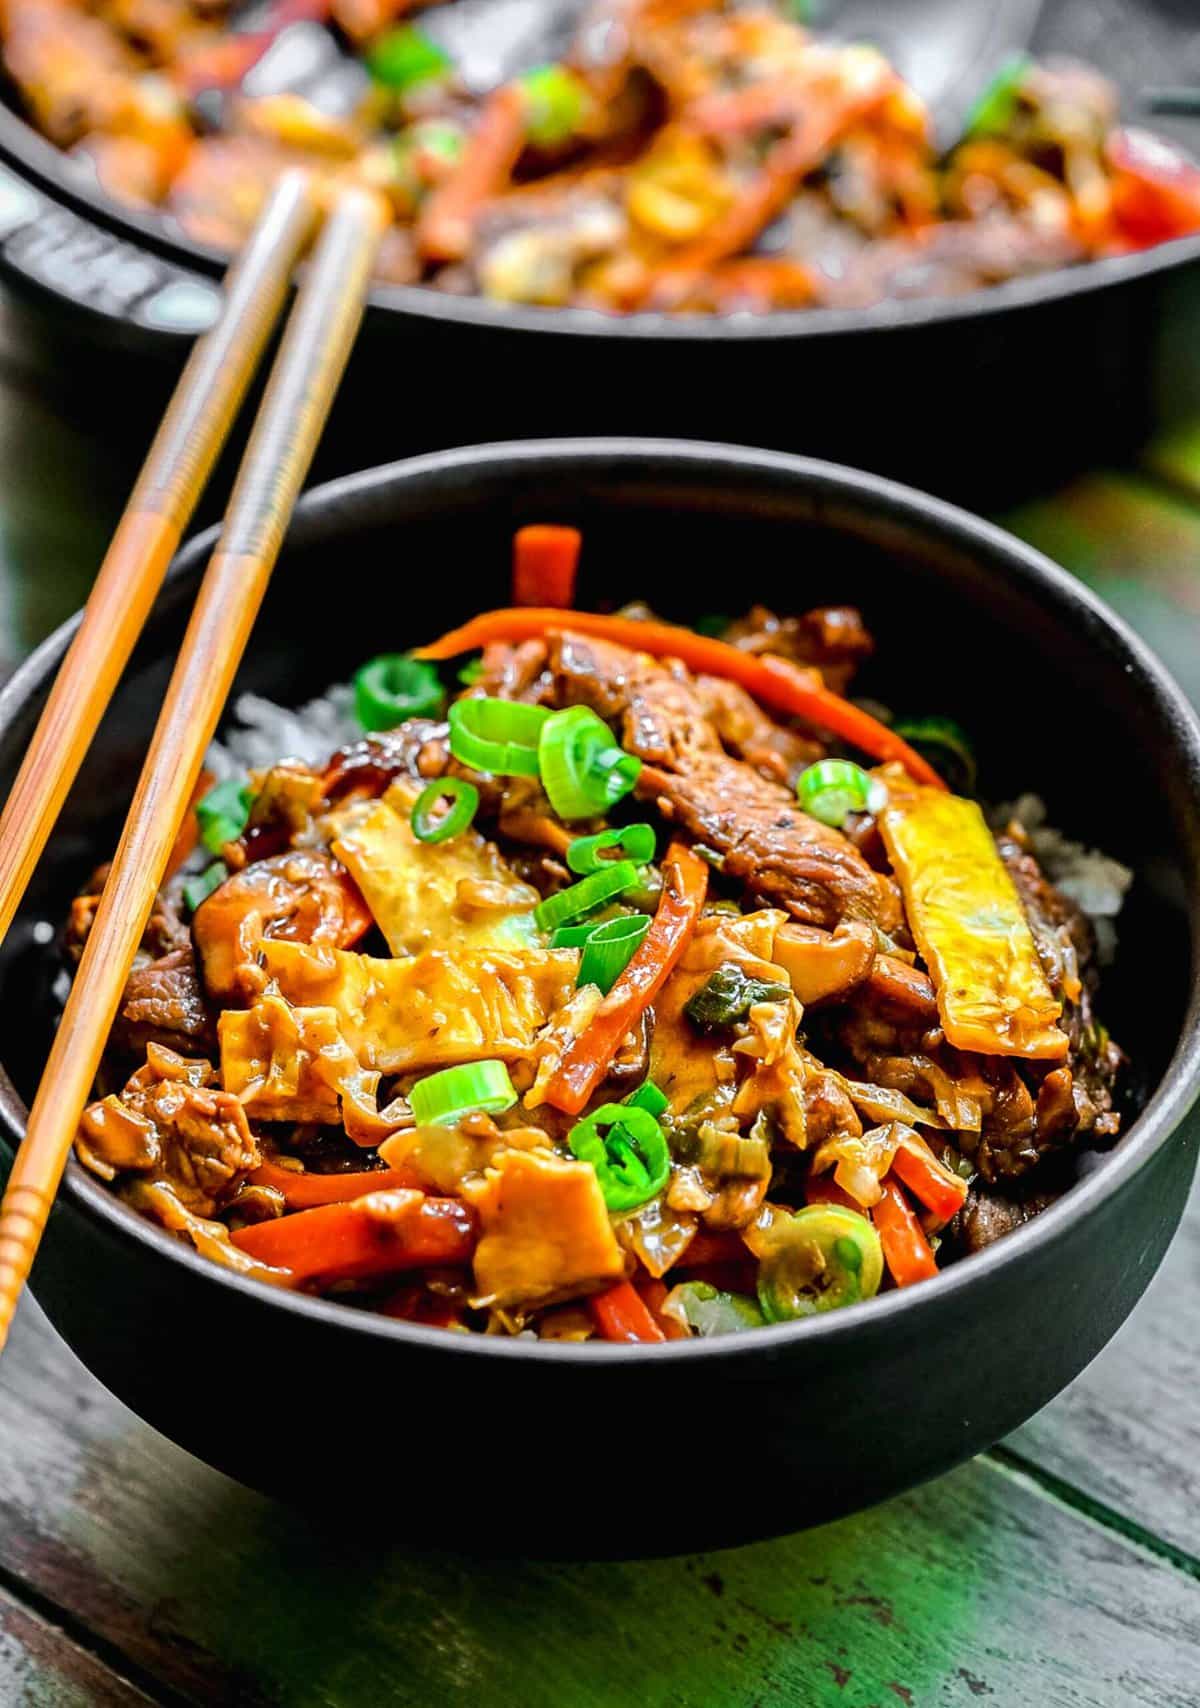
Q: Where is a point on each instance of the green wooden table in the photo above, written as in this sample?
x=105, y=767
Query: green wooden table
x=1061, y=1570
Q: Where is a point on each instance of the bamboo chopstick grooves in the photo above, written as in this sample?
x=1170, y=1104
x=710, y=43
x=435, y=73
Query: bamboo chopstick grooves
x=316, y=345
x=206, y=400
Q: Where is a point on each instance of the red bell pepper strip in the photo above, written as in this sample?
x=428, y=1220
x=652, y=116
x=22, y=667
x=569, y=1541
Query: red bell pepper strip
x=620, y=1314
x=824, y=1189
x=447, y=219
x=936, y=1186
x=654, y=1296
x=545, y=559
x=1155, y=188
x=774, y=681
x=905, y=1248
x=587, y=1058
x=384, y=1233
x=304, y=1191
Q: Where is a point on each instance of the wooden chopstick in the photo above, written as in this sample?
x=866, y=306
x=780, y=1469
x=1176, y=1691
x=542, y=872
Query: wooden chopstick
x=316, y=345
x=197, y=422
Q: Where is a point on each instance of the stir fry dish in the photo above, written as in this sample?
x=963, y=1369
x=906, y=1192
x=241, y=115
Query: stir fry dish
x=698, y=156
x=596, y=990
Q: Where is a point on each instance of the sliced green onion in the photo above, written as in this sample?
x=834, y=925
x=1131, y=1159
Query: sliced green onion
x=610, y=948
x=441, y=1099
x=571, y=936
x=405, y=57
x=223, y=813
x=556, y=102
x=832, y=789
x=199, y=888
x=471, y=671
x=429, y=825
x=947, y=747
x=497, y=736
x=583, y=770
x=818, y=1259
x=995, y=108
x=728, y=995
x=648, y=1096
x=394, y=687
x=636, y=842
x=625, y=1145
x=588, y=894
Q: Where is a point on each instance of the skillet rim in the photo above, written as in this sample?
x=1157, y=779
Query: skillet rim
x=54, y=174
x=995, y=550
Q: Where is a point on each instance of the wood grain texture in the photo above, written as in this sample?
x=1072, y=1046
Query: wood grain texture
x=40, y=1667
x=978, y=1588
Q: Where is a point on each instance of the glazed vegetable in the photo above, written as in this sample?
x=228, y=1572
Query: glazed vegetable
x=816, y=1259
x=586, y=1061
x=707, y=1311
x=905, y=1248
x=626, y=1147
x=442, y=1099
x=301, y=1190
x=936, y=1186
x=583, y=770
x=729, y=995
x=429, y=825
x=394, y=687
x=620, y=1314
x=832, y=789
x=382, y=1234
x=967, y=919
x=773, y=681
x=545, y=559
x=499, y=736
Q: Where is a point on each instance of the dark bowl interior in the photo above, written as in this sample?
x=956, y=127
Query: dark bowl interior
x=1061, y=700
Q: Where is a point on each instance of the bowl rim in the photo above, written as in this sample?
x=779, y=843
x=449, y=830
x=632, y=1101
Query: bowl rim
x=996, y=551
x=51, y=171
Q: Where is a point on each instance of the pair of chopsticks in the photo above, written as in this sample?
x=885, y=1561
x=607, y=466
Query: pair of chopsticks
x=316, y=345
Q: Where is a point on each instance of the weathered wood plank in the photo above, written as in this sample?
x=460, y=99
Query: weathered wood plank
x=977, y=1585
x=42, y=1668
x=1127, y=1432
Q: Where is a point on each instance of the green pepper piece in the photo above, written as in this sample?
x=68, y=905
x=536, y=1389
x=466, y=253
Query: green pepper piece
x=626, y=1147
x=818, y=1259
x=405, y=57
x=729, y=995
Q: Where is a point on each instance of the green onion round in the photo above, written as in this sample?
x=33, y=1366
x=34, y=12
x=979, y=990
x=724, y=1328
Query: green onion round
x=497, y=736
x=832, y=789
x=441, y=1099
x=428, y=825
x=628, y=1150
x=636, y=842
x=555, y=104
x=394, y=687
x=583, y=770
x=587, y=894
x=223, y=813
x=610, y=948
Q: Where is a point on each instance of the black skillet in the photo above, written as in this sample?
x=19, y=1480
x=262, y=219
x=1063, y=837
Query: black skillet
x=980, y=395
x=531, y=1448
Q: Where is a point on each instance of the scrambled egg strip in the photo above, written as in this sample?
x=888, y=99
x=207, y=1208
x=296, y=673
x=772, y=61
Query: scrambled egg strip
x=968, y=922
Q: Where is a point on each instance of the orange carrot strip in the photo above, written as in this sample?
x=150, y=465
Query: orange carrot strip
x=905, y=1248
x=447, y=219
x=654, y=1297
x=620, y=1314
x=774, y=681
x=818, y=126
x=545, y=559
x=937, y=1187
x=384, y=1233
x=304, y=1191
x=587, y=1058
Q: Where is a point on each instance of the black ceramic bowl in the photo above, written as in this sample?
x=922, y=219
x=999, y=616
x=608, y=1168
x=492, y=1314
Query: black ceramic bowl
x=597, y=1449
